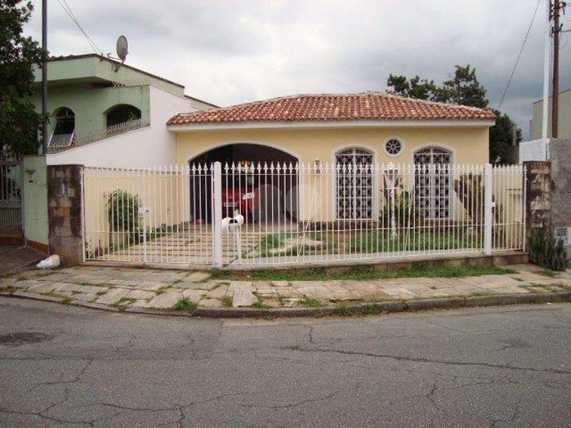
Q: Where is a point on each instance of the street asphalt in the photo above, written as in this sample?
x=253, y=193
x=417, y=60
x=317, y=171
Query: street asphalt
x=69, y=366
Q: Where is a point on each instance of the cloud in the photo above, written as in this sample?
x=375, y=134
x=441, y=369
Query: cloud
x=231, y=51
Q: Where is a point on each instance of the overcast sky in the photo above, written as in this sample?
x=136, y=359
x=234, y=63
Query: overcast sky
x=231, y=51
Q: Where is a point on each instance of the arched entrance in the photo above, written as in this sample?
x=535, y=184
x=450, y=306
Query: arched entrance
x=259, y=181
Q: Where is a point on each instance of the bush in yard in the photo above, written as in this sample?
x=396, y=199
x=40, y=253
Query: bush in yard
x=404, y=212
x=546, y=251
x=123, y=213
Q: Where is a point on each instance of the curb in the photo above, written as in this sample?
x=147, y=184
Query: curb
x=355, y=309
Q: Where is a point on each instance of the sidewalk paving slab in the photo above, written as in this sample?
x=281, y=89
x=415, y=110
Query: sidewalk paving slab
x=242, y=294
x=194, y=295
x=154, y=290
x=219, y=292
x=166, y=300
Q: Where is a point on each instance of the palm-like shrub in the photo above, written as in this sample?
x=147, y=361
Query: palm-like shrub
x=123, y=213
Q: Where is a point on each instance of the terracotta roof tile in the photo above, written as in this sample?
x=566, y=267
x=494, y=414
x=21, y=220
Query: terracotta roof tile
x=334, y=107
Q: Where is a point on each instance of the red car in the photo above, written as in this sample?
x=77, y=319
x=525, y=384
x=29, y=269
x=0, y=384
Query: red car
x=238, y=199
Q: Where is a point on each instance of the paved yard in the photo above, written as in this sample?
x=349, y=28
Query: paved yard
x=162, y=289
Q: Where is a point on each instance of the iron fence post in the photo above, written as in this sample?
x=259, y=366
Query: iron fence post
x=217, y=215
x=488, y=218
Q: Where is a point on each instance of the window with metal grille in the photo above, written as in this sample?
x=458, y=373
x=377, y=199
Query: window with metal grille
x=354, y=168
x=432, y=182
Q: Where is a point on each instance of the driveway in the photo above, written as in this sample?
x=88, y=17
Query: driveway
x=68, y=366
x=14, y=258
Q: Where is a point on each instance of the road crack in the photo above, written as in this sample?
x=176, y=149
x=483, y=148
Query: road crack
x=427, y=360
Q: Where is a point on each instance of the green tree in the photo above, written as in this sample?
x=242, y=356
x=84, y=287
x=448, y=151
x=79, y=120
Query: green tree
x=415, y=88
x=18, y=120
x=501, y=136
x=465, y=89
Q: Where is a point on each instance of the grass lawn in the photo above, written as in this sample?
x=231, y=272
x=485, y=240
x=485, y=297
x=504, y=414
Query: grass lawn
x=363, y=273
x=364, y=242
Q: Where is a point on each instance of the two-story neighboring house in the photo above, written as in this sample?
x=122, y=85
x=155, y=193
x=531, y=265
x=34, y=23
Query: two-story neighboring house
x=104, y=113
x=536, y=148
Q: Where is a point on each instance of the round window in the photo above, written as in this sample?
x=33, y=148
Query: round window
x=393, y=147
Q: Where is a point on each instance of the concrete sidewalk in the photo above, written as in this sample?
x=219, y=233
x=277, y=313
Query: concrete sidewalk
x=150, y=290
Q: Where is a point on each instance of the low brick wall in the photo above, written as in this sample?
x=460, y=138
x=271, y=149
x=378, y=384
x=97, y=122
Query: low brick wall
x=538, y=195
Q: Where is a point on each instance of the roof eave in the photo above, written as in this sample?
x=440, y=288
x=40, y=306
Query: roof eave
x=322, y=124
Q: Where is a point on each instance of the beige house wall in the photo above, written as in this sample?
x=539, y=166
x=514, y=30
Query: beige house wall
x=317, y=194
x=468, y=145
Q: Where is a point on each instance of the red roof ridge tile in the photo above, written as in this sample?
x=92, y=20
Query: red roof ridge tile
x=367, y=105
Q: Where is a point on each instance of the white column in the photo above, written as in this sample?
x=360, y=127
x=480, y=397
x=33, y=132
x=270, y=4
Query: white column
x=488, y=218
x=217, y=215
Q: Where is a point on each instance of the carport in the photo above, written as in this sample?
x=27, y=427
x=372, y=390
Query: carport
x=258, y=180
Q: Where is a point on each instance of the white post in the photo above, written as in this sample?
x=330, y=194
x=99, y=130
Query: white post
x=546, y=69
x=217, y=215
x=83, y=226
x=144, y=215
x=488, y=218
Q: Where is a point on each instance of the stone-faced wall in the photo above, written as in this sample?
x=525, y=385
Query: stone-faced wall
x=65, y=208
x=560, y=151
x=538, y=195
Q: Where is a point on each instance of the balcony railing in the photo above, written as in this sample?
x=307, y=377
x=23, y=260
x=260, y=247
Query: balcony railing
x=61, y=141
x=59, y=144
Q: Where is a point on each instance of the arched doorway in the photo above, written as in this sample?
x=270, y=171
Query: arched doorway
x=354, y=183
x=433, y=183
x=261, y=182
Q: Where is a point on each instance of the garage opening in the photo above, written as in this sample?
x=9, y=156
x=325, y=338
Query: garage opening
x=259, y=182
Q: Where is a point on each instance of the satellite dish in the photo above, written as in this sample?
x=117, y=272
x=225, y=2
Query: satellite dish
x=122, y=47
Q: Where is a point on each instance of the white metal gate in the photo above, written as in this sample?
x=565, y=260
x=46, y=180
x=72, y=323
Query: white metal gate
x=250, y=215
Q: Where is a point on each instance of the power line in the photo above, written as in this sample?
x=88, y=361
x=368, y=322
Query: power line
x=526, y=37
x=72, y=16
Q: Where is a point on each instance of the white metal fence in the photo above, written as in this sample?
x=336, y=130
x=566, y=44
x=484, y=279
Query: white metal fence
x=10, y=194
x=248, y=215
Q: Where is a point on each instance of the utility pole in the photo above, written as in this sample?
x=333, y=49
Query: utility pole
x=557, y=7
x=44, y=77
x=546, y=70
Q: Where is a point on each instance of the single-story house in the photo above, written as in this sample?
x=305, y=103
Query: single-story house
x=339, y=130
x=329, y=176
x=326, y=127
